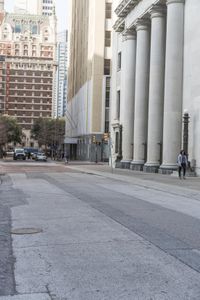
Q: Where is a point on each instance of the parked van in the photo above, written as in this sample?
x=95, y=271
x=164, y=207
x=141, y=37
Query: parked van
x=19, y=154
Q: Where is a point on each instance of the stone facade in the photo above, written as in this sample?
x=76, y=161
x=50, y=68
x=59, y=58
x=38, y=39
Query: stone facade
x=158, y=43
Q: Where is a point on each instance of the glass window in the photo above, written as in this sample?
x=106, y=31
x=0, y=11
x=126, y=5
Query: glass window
x=107, y=92
x=119, y=61
x=107, y=126
x=118, y=104
x=34, y=29
x=18, y=28
x=107, y=38
x=116, y=142
x=106, y=66
x=108, y=10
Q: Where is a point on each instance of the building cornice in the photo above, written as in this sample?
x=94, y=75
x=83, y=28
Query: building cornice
x=142, y=24
x=119, y=25
x=125, y=6
x=26, y=17
x=158, y=11
x=128, y=34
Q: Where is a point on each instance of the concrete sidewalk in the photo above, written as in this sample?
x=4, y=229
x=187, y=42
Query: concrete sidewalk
x=151, y=180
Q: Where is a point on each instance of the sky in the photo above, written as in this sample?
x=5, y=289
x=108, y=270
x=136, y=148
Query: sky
x=61, y=10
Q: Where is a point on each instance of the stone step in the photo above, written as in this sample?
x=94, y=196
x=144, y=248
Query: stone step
x=188, y=174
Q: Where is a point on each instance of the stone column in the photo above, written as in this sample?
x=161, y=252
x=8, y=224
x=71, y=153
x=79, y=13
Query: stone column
x=173, y=84
x=141, y=94
x=127, y=96
x=156, y=88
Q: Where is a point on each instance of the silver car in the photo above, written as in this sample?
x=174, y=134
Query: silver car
x=41, y=157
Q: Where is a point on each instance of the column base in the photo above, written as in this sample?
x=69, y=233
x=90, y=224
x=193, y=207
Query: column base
x=137, y=165
x=118, y=164
x=125, y=164
x=167, y=169
x=151, y=168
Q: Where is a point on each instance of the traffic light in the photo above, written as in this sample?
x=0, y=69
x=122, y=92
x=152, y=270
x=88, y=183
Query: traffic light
x=106, y=136
x=93, y=139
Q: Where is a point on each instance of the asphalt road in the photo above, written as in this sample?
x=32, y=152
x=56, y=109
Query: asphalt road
x=99, y=236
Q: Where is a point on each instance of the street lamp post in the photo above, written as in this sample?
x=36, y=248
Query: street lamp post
x=185, y=130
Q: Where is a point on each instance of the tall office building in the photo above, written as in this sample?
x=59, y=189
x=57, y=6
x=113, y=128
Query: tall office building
x=155, y=83
x=38, y=7
x=60, y=101
x=47, y=7
x=1, y=6
x=27, y=67
x=87, y=113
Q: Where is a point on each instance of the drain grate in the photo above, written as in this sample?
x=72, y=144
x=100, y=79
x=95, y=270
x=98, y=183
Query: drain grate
x=23, y=231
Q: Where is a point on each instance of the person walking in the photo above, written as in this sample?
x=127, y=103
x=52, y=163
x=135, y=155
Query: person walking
x=182, y=163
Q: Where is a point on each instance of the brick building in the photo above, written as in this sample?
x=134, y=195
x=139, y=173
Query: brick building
x=27, y=67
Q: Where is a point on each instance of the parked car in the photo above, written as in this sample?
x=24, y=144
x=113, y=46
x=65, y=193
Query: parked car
x=40, y=156
x=10, y=152
x=19, y=154
x=30, y=152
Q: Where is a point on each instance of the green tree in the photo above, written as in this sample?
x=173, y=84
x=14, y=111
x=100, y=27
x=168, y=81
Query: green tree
x=10, y=131
x=49, y=133
x=40, y=131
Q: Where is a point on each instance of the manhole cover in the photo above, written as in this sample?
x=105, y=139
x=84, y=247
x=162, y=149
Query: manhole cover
x=24, y=231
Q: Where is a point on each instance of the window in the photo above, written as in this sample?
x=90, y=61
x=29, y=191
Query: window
x=116, y=142
x=107, y=92
x=119, y=61
x=106, y=66
x=107, y=38
x=107, y=126
x=118, y=104
x=18, y=28
x=108, y=10
x=34, y=29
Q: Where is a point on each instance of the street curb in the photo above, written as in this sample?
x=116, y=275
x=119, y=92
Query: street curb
x=146, y=183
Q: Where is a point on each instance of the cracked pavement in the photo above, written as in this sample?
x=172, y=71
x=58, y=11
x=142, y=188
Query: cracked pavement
x=103, y=237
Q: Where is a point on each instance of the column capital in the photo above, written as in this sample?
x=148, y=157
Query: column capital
x=175, y=1
x=143, y=24
x=158, y=11
x=128, y=34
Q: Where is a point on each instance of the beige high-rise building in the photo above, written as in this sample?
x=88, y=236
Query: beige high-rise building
x=89, y=78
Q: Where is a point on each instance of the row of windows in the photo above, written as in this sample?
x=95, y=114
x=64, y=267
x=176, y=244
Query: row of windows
x=33, y=66
x=48, y=1
x=47, y=8
x=107, y=104
x=108, y=10
x=107, y=66
x=22, y=109
x=34, y=47
x=33, y=53
x=30, y=101
x=107, y=38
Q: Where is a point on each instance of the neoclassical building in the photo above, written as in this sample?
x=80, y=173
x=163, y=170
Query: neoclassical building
x=155, y=80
